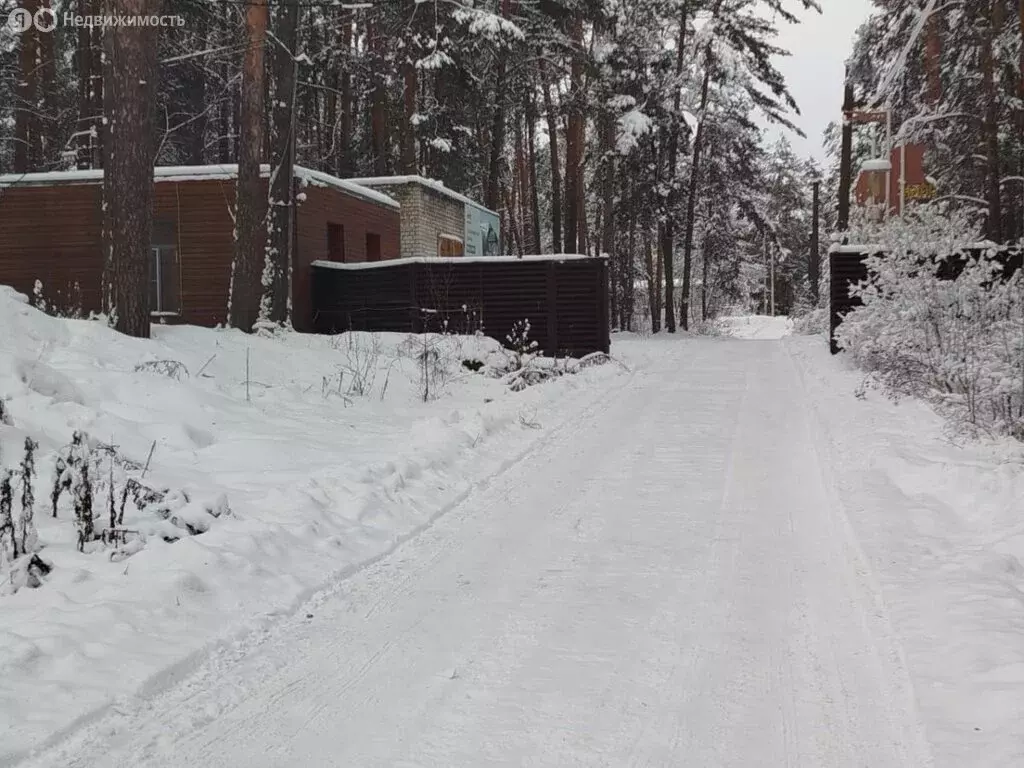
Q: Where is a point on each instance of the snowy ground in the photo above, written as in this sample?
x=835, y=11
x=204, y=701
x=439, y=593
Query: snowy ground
x=317, y=483
x=942, y=528
x=757, y=326
x=724, y=558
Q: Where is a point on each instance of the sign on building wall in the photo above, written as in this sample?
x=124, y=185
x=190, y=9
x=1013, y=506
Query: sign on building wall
x=871, y=187
x=482, y=228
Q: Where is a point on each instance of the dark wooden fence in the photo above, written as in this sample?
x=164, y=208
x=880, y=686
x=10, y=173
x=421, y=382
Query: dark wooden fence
x=565, y=299
x=847, y=267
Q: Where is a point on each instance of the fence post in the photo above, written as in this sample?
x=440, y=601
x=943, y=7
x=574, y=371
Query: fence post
x=604, y=329
x=552, y=302
x=414, y=308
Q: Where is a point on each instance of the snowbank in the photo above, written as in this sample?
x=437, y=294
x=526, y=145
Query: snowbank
x=941, y=526
x=320, y=458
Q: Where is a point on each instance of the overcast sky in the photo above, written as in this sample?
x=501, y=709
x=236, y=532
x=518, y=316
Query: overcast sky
x=820, y=45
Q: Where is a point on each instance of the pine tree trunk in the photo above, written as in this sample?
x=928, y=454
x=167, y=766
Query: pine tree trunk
x=130, y=54
x=48, y=129
x=410, y=93
x=575, y=136
x=991, y=123
x=90, y=88
x=281, y=204
x=668, y=239
x=531, y=138
x=704, y=254
x=496, y=151
x=524, y=181
x=556, y=174
x=345, y=165
x=608, y=214
x=250, y=206
x=1020, y=126
x=691, y=197
x=659, y=276
x=197, y=106
x=96, y=89
x=226, y=105
x=653, y=288
x=26, y=90
x=379, y=135
x=629, y=278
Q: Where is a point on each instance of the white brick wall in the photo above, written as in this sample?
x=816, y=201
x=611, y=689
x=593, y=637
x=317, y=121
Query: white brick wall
x=426, y=215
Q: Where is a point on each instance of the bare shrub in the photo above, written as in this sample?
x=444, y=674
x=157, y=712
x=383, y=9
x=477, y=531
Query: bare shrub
x=437, y=359
x=172, y=369
x=361, y=355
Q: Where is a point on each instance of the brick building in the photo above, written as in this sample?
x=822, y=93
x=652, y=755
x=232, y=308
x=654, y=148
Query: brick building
x=437, y=221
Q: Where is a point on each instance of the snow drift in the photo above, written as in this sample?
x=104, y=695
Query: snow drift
x=289, y=459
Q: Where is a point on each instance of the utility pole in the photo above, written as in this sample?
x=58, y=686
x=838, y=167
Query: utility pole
x=771, y=262
x=813, y=257
x=846, y=158
x=764, y=296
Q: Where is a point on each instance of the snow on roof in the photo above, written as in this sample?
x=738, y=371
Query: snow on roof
x=878, y=164
x=198, y=173
x=423, y=181
x=558, y=257
x=318, y=178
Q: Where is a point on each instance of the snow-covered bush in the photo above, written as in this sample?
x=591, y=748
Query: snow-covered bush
x=29, y=537
x=18, y=532
x=958, y=343
x=710, y=327
x=542, y=369
x=811, y=322
x=8, y=538
x=522, y=348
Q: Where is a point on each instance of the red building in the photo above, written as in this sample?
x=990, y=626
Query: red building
x=871, y=182
x=51, y=232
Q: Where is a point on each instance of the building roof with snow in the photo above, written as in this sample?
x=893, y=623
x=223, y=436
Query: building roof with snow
x=199, y=173
x=431, y=184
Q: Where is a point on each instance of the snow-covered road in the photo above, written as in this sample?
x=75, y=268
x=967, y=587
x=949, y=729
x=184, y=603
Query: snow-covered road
x=668, y=582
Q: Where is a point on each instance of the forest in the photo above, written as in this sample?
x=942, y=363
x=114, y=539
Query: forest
x=633, y=129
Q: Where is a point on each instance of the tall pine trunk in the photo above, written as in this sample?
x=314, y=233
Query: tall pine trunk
x=991, y=121
x=575, y=137
x=556, y=175
x=380, y=137
x=608, y=213
x=523, y=177
x=250, y=201
x=691, y=196
x=281, y=204
x=130, y=54
x=26, y=91
x=410, y=92
x=668, y=239
x=346, y=167
x=531, y=141
x=89, y=128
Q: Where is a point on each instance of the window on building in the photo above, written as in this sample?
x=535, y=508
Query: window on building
x=335, y=242
x=372, y=246
x=449, y=246
x=164, y=270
